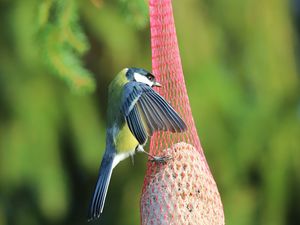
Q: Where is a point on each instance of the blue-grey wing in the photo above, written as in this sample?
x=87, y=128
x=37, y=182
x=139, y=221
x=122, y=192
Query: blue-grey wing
x=146, y=111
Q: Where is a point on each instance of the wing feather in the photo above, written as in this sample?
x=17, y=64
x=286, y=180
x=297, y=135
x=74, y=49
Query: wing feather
x=146, y=112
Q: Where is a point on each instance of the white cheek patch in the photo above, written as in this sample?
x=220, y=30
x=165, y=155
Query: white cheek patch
x=140, y=78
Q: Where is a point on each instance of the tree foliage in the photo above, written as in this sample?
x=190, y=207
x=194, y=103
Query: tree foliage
x=62, y=42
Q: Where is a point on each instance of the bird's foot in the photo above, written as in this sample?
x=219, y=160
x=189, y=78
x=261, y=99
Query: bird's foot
x=160, y=159
x=157, y=159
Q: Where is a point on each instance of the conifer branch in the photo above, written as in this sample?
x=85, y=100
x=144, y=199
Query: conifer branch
x=63, y=43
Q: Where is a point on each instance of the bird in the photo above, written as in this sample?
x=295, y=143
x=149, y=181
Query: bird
x=135, y=111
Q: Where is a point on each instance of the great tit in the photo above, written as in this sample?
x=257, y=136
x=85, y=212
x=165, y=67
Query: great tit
x=134, y=112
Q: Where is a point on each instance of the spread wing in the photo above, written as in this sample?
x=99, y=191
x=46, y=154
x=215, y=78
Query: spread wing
x=146, y=111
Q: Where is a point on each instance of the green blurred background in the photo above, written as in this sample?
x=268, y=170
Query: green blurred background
x=241, y=65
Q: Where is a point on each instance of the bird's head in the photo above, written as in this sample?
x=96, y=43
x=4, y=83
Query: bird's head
x=143, y=76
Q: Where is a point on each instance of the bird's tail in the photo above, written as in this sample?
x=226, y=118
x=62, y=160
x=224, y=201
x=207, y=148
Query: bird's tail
x=98, y=200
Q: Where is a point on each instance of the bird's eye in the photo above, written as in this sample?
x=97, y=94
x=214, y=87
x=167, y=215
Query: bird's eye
x=151, y=78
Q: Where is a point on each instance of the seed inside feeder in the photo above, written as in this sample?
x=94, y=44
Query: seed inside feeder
x=174, y=202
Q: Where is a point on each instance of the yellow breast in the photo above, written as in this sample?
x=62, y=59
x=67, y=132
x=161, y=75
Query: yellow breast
x=125, y=141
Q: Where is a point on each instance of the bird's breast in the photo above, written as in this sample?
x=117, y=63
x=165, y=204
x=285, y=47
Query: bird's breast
x=125, y=141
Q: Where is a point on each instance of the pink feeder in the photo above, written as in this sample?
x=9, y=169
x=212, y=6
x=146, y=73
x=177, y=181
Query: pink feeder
x=183, y=190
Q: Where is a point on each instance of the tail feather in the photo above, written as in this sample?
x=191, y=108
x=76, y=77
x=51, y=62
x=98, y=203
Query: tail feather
x=98, y=200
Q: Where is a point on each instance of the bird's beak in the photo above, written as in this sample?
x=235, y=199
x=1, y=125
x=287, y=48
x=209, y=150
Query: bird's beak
x=156, y=84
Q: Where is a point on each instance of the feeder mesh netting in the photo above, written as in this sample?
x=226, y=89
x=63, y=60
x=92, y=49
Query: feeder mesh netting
x=182, y=191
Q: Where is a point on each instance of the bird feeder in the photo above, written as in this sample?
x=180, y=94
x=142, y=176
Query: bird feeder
x=183, y=190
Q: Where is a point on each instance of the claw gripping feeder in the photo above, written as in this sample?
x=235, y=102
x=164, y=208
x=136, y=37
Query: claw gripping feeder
x=182, y=191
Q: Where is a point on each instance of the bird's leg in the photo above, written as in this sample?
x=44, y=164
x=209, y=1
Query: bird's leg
x=159, y=159
x=132, y=157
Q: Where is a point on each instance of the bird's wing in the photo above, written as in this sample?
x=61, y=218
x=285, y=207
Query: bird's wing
x=146, y=111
